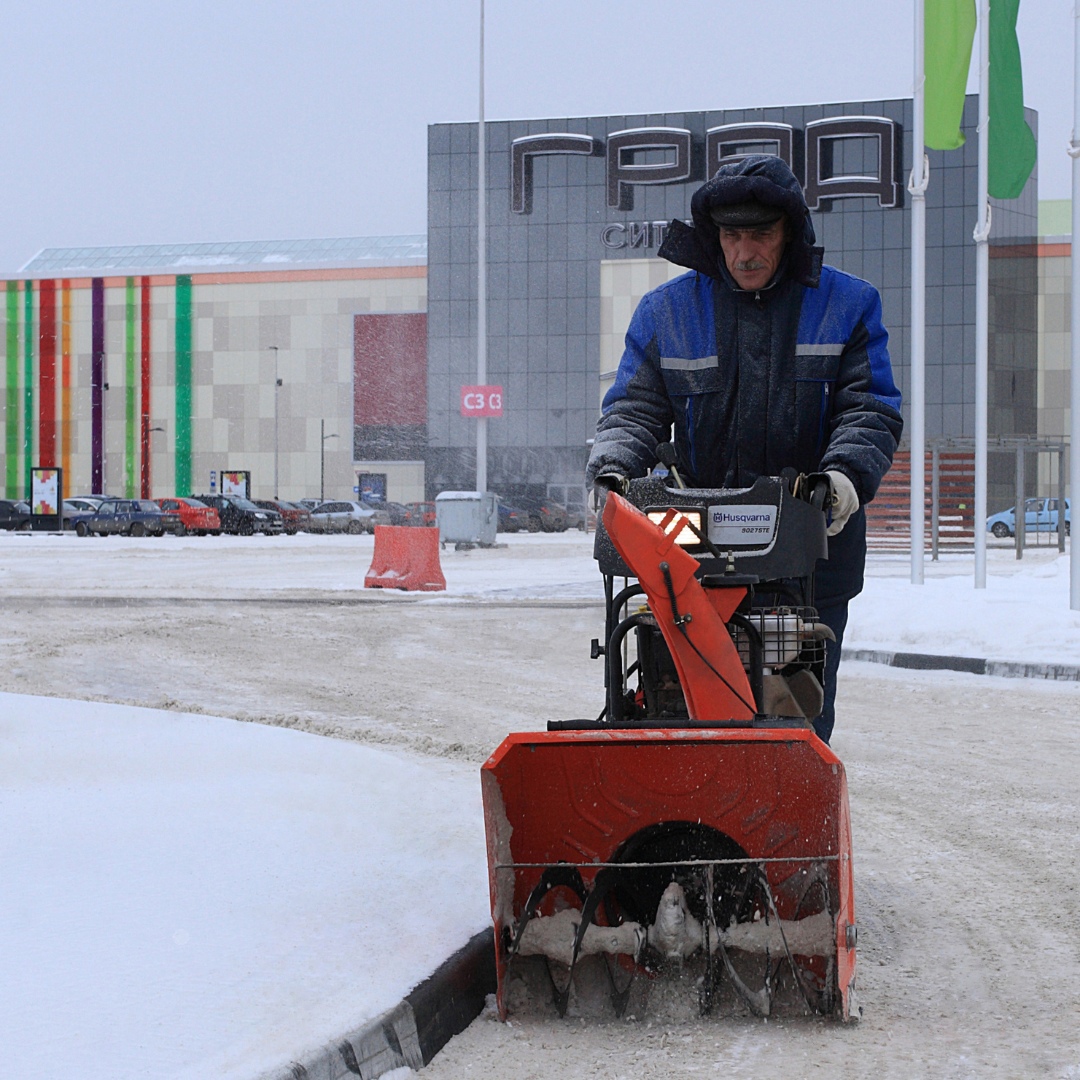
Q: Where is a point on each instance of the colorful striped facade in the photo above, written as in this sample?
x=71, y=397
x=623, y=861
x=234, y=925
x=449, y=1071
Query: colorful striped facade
x=141, y=385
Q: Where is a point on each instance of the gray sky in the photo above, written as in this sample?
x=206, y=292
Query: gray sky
x=139, y=121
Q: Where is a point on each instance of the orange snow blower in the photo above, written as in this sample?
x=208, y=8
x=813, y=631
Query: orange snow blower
x=697, y=831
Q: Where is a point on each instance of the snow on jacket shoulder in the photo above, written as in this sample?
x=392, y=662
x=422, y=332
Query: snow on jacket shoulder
x=752, y=383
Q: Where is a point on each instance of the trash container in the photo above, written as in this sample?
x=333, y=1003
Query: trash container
x=467, y=517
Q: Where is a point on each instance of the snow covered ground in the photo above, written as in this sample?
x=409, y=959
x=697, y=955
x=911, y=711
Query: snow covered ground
x=184, y=895
x=1023, y=614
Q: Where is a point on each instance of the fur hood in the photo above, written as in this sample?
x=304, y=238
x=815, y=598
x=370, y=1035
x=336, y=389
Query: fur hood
x=759, y=176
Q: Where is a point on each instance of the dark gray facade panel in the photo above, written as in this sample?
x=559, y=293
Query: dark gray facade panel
x=438, y=172
x=544, y=277
x=439, y=139
x=498, y=313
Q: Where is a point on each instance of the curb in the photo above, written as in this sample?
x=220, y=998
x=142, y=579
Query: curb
x=972, y=665
x=413, y=1031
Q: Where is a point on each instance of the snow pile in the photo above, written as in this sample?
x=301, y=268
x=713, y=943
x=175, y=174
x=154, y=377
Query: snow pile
x=1022, y=615
x=185, y=896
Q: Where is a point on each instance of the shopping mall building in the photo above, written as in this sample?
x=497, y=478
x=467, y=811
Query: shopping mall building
x=339, y=364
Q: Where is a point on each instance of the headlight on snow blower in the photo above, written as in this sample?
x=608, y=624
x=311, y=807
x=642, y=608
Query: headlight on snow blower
x=687, y=537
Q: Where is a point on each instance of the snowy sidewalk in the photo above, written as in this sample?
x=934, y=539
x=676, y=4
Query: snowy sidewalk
x=186, y=897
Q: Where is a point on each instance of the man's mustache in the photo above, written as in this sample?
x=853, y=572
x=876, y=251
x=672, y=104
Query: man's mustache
x=749, y=264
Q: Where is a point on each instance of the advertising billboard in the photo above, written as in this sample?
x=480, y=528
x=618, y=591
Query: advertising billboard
x=236, y=483
x=46, y=497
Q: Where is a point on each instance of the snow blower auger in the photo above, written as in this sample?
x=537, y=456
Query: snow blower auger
x=692, y=842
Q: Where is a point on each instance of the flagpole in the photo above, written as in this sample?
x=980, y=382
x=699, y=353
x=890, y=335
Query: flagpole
x=1074, y=397
x=982, y=297
x=917, y=409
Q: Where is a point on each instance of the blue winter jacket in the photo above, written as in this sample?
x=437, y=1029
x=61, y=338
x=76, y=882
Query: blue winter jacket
x=794, y=375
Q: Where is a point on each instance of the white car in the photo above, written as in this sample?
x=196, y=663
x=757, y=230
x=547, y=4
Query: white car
x=350, y=517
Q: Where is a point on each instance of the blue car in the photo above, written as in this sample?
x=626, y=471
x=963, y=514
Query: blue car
x=511, y=519
x=129, y=517
x=1040, y=515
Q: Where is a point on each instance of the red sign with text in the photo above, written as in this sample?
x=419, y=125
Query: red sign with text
x=481, y=401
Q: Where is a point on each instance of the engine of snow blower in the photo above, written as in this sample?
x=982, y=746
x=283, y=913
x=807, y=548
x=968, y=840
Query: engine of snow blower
x=696, y=833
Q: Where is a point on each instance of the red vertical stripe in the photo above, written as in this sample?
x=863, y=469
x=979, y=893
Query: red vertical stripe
x=47, y=374
x=145, y=374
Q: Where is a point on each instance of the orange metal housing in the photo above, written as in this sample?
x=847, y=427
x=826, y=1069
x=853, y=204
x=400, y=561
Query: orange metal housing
x=576, y=797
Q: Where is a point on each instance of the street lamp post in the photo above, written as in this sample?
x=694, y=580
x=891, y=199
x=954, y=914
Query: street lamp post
x=104, y=440
x=481, y=273
x=277, y=388
x=322, y=459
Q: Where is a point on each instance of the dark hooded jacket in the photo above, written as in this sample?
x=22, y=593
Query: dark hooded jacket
x=796, y=374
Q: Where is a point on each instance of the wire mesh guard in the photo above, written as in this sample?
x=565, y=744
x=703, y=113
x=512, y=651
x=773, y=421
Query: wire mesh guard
x=787, y=636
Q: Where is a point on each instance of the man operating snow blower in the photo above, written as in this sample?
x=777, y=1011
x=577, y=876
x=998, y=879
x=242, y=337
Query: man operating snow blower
x=763, y=360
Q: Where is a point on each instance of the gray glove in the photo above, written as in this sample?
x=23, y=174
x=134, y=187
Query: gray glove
x=844, y=501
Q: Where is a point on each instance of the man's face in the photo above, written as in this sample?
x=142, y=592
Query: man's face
x=753, y=254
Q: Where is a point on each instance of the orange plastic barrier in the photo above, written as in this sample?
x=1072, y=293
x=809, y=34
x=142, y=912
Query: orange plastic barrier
x=405, y=558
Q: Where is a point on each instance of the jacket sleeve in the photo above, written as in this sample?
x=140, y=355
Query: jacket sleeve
x=636, y=413
x=865, y=422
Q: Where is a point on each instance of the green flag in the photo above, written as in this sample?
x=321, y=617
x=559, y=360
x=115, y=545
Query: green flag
x=948, y=31
x=1012, y=144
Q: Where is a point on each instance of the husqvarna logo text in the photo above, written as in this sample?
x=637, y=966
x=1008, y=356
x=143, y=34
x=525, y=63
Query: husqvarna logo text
x=741, y=525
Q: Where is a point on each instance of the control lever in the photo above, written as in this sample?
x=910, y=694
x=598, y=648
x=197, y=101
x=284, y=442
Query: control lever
x=814, y=488
x=665, y=453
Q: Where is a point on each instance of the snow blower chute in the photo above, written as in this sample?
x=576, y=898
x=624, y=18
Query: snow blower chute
x=697, y=830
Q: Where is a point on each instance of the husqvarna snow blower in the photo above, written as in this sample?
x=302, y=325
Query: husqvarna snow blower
x=694, y=839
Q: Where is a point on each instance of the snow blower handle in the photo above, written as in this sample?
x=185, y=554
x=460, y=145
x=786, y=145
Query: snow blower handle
x=816, y=489
x=665, y=454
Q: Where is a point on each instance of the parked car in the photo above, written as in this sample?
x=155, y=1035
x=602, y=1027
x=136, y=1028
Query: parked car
x=579, y=517
x=78, y=509
x=294, y=517
x=14, y=515
x=512, y=519
x=309, y=504
x=241, y=517
x=129, y=517
x=195, y=516
x=350, y=517
x=543, y=514
x=1040, y=515
x=398, y=513
x=420, y=513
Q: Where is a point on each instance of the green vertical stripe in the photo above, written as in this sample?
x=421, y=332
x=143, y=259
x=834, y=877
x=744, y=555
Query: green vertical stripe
x=948, y=31
x=11, y=428
x=183, y=384
x=129, y=390
x=28, y=385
